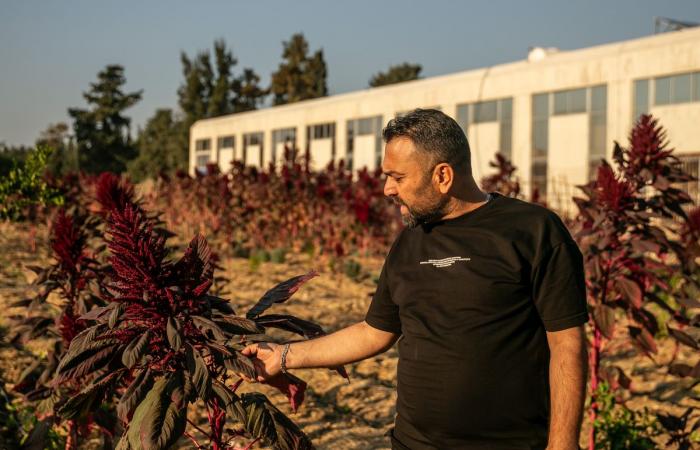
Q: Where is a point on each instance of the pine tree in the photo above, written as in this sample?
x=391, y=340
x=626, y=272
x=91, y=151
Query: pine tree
x=396, y=74
x=102, y=133
x=299, y=77
x=162, y=145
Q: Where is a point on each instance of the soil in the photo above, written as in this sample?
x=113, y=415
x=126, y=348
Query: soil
x=336, y=414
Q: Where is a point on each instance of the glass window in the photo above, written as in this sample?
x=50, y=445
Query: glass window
x=365, y=126
x=696, y=87
x=662, y=91
x=202, y=144
x=599, y=98
x=226, y=141
x=577, y=101
x=485, y=112
x=202, y=161
x=463, y=116
x=506, y=109
x=540, y=105
x=322, y=131
x=680, y=88
x=569, y=102
x=540, y=131
x=641, y=98
x=560, y=103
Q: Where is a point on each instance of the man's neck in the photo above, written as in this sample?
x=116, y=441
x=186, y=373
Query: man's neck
x=465, y=203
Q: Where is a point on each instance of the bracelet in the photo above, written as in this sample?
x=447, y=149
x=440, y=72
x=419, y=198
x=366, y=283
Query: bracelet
x=283, y=362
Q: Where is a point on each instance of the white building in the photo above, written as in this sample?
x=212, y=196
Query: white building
x=554, y=114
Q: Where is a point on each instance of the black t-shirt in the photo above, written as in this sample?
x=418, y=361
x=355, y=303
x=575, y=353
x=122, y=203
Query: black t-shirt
x=473, y=298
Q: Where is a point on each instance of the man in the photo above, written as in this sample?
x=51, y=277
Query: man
x=487, y=294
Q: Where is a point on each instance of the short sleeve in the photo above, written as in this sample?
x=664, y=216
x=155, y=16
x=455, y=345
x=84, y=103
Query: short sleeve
x=383, y=313
x=559, y=287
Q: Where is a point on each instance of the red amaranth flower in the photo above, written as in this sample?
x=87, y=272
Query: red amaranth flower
x=613, y=193
x=112, y=192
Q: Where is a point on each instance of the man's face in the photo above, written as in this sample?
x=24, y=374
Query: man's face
x=409, y=183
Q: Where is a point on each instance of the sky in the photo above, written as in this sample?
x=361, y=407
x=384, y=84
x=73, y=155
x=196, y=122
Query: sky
x=51, y=51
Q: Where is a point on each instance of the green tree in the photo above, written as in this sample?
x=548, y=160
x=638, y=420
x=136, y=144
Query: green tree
x=396, y=74
x=299, y=76
x=63, y=159
x=247, y=92
x=162, y=146
x=10, y=156
x=102, y=132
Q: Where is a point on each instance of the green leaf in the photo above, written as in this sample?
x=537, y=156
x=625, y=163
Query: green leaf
x=134, y=394
x=158, y=421
x=136, y=349
x=200, y=373
x=173, y=332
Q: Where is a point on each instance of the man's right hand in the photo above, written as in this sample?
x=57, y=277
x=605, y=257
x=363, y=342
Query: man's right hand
x=267, y=359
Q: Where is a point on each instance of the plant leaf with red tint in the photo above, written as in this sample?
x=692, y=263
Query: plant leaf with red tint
x=158, y=420
x=290, y=323
x=630, y=290
x=136, y=349
x=134, y=394
x=683, y=338
x=291, y=386
x=280, y=293
x=237, y=325
x=174, y=333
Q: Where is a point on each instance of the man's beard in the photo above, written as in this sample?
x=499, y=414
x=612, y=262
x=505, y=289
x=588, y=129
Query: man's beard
x=416, y=217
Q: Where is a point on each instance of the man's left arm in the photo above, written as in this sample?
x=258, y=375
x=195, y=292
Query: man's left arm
x=568, y=368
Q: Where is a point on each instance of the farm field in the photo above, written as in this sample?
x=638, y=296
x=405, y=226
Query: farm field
x=336, y=414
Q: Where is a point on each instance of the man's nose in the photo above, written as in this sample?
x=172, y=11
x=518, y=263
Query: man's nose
x=389, y=187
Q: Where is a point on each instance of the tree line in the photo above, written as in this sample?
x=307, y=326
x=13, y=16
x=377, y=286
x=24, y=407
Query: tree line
x=101, y=137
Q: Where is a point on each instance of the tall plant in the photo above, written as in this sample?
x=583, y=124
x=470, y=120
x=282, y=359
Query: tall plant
x=162, y=341
x=624, y=229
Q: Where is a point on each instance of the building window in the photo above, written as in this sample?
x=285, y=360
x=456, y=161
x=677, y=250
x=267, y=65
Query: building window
x=571, y=101
x=286, y=136
x=680, y=88
x=252, y=139
x=597, y=128
x=691, y=165
x=485, y=112
x=202, y=144
x=500, y=111
x=363, y=127
x=540, y=144
x=201, y=162
x=226, y=142
x=321, y=131
x=641, y=98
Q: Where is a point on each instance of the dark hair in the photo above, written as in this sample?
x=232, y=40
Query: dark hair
x=434, y=133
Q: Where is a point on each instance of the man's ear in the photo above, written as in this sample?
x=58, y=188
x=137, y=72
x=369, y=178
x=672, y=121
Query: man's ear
x=444, y=176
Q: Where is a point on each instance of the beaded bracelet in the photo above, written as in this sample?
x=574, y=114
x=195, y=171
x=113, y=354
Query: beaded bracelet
x=283, y=362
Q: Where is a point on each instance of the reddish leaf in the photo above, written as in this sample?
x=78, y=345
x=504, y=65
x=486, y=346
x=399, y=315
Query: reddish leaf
x=630, y=290
x=604, y=317
x=643, y=340
x=683, y=338
x=280, y=293
x=290, y=323
x=291, y=386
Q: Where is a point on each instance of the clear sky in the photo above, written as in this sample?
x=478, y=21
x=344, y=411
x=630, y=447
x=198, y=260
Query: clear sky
x=50, y=51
